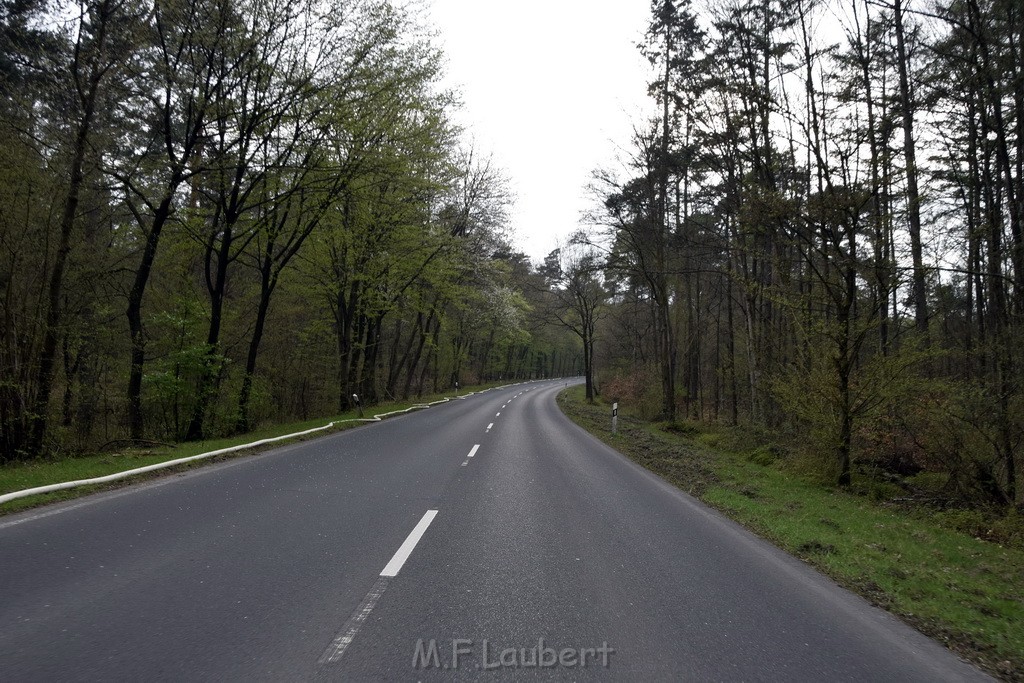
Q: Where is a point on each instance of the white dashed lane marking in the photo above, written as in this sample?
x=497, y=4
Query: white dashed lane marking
x=405, y=550
x=348, y=632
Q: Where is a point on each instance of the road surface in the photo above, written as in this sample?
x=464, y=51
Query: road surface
x=483, y=538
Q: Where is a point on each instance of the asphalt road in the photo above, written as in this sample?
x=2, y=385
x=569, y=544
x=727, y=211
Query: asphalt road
x=387, y=552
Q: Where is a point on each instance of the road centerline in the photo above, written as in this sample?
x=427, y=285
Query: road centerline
x=405, y=550
x=473, y=450
x=348, y=632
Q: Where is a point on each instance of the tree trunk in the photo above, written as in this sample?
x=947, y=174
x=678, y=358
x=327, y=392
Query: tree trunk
x=423, y=330
x=920, y=293
x=134, y=314
x=197, y=425
x=47, y=359
x=267, y=284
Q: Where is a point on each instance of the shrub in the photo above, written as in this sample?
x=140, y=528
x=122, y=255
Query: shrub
x=637, y=388
x=766, y=455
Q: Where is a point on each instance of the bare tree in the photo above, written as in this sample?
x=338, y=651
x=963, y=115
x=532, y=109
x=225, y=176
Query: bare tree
x=573, y=274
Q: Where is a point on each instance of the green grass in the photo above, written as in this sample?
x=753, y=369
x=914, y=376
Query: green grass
x=25, y=475
x=964, y=591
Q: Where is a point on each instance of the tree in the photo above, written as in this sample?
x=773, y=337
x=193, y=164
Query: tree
x=186, y=39
x=103, y=42
x=573, y=275
x=266, y=126
x=910, y=154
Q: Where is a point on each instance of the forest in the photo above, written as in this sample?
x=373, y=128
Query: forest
x=217, y=213
x=221, y=213
x=819, y=233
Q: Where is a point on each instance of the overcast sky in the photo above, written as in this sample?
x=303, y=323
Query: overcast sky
x=549, y=88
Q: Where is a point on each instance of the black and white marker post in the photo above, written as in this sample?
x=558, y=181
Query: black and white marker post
x=359, y=406
x=615, y=418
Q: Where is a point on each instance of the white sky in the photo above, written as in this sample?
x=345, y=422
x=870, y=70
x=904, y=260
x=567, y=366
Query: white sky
x=550, y=88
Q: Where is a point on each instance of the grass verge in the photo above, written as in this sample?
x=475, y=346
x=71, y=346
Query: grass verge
x=966, y=592
x=25, y=475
